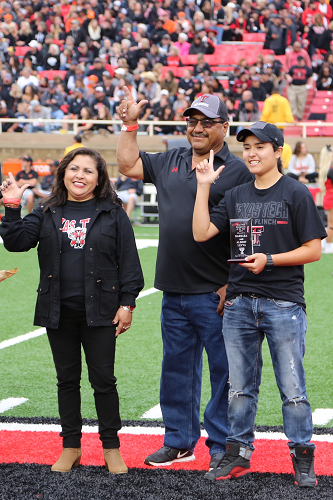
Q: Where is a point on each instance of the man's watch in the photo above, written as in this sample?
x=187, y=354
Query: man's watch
x=128, y=308
x=269, y=263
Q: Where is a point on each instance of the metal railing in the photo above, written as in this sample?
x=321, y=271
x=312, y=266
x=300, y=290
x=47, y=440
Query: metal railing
x=151, y=124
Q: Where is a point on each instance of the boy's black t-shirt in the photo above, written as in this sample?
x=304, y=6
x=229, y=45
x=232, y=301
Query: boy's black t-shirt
x=284, y=217
x=26, y=176
x=76, y=217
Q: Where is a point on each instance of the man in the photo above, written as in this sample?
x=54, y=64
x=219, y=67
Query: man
x=27, y=176
x=6, y=113
x=46, y=184
x=275, y=36
x=37, y=112
x=53, y=99
x=277, y=109
x=297, y=91
x=192, y=276
x=291, y=57
x=27, y=78
x=77, y=143
x=258, y=91
x=97, y=69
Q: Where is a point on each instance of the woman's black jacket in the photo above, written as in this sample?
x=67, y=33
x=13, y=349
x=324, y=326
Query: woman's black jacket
x=113, y=274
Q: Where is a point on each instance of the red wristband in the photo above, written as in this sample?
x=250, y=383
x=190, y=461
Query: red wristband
x=12, y=201
x=129, y=128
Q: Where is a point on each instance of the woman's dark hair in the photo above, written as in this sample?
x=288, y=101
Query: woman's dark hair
x=104, y=189
x=279, y=162
x=297, y=149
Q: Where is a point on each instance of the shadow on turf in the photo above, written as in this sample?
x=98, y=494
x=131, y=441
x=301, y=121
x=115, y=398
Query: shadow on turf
x=31, y=481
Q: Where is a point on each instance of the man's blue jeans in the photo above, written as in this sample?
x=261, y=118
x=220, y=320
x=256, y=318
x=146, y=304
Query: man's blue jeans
x=246, y=322
x=189, y=324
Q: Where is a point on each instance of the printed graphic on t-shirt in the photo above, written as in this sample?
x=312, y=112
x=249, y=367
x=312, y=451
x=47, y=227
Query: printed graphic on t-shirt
x=263, y=214
x=77, y=235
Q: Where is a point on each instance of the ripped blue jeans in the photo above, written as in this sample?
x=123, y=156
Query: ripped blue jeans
x=246, y=322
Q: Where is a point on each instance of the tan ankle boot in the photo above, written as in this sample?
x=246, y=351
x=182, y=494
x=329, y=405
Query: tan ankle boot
x=70, y=457
x=114, y=461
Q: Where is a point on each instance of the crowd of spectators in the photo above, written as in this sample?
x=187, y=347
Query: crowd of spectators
x=103, y=45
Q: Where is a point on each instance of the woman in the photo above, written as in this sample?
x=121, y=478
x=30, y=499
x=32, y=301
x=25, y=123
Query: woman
x=170, y=84
x=90, y=275
x=325, y=78
x=315, y=34
x=265, y=295
x=25, y=34
x=302, y=166
x=29, y=93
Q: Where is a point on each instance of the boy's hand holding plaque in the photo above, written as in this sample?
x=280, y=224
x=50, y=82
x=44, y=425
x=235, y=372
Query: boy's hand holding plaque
x=240, y=240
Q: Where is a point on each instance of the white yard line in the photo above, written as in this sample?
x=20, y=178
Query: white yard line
x=22, y=338
x=155, y=431
x=9, y=403
x=154, y=412
x=145, y=243
x=321, y=416
x=42, y=331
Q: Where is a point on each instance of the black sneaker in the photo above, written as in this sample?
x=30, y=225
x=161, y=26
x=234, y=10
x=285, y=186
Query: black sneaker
x=231, y=466
x=215, y=459
x=167, y=456
x=303, y=460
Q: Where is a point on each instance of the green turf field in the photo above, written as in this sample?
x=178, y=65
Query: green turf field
x=26, y=369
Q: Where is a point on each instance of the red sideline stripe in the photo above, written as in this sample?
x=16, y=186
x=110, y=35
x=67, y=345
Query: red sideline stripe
x=282, y=222
x=45, y=448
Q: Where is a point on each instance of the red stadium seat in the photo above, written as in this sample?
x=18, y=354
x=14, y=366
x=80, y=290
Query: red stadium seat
x=293, y=131
x=21, y=51
x=328, y=131
x=320, y=108
x=254, y=37
x=190, y=60
x=319, y=101
x=314, y=131
x=51, y=73
x=324, y=93
x=260, y=105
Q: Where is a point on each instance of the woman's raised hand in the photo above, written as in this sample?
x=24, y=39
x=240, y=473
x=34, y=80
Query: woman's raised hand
x=129, y=110
x=205, y=170
x=10, y=189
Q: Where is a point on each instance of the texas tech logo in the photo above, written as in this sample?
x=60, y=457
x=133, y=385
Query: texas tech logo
x=256, y=233
x=77, y=235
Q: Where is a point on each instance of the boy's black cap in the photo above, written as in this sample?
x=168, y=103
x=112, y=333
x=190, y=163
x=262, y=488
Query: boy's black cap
x=210, y=106
x=266, y=132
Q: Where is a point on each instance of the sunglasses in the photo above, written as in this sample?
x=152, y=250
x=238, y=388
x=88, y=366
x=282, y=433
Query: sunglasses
x=205, y=122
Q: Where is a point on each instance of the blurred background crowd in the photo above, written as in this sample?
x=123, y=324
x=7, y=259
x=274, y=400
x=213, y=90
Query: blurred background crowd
x=72, y=59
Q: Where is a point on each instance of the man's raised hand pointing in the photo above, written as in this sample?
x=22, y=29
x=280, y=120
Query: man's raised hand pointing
x=129, y=110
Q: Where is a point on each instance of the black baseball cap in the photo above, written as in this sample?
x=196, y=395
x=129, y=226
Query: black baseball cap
x=210, y=106
x=27, y=158
x=266, y=132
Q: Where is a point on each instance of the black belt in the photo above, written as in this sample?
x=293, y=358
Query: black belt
x=254, y=295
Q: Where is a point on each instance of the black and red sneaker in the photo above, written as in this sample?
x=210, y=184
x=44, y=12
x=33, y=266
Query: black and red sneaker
x=303, y=463
x=232, y=465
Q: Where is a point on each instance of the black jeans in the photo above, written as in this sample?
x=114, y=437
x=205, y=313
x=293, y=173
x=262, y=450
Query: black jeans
x=99, y=345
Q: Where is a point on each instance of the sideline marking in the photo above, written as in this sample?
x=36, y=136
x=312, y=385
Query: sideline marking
x=22, y=338
x=321, y=416
x=157, y=431
x=154, y=412
x=42, y=331
x=143, y=243
x=9, y=403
